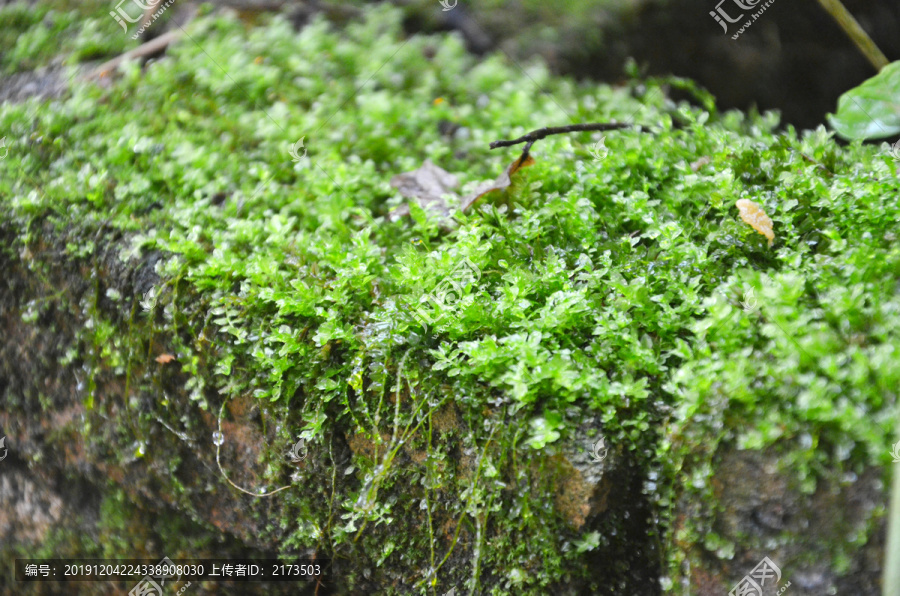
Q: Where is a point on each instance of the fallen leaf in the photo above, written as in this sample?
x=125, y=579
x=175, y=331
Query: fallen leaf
x=428, y=185
x=431, y=186
x=502, y=182
x=696, y=165
x=753, y=215
x=165, y=358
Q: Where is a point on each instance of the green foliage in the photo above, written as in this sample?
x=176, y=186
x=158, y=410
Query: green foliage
x=871, y=110
x=35, y=34
x=606, y=287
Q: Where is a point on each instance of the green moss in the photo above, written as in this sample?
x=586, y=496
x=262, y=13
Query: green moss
x=37, y=33
x=609, y=287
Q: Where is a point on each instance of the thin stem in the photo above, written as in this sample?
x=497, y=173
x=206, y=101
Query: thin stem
x=468, y=500
x=540, y=133
x=333, y=488
x=891, y=585
x=856, y=33
x=219, y=440
x=428, y=501
x=397, y=396
x=395, y=444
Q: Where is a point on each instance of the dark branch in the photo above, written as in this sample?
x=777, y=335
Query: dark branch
x=540, y=133
x=524, y=154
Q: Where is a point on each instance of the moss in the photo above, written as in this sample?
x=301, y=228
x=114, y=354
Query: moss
x=39, y=33
x=608, y=288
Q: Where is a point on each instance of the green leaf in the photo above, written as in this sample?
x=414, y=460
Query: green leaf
x=543, y=430
x=872, y=110
x=588, y=542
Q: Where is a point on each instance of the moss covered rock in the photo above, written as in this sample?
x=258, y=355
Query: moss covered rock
x=202, y=272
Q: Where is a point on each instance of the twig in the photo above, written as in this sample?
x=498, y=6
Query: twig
x=856, y=33
x=151, y=47
x=537, y=135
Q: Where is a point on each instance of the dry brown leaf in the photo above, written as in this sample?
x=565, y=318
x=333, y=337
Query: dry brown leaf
x=696, y=165
x=502, y=182
x=165, y=358
x=756, y=218
x=429, y=185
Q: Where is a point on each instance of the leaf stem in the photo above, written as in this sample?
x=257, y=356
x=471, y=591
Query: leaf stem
x=855, y=32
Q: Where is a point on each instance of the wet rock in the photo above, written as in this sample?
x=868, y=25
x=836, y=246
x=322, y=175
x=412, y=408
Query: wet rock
x=764, y=513
x=580, y=469
x=29, y=510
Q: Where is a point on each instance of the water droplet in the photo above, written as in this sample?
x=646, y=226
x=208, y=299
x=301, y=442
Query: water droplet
x=806, y=441
x=218, y=438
